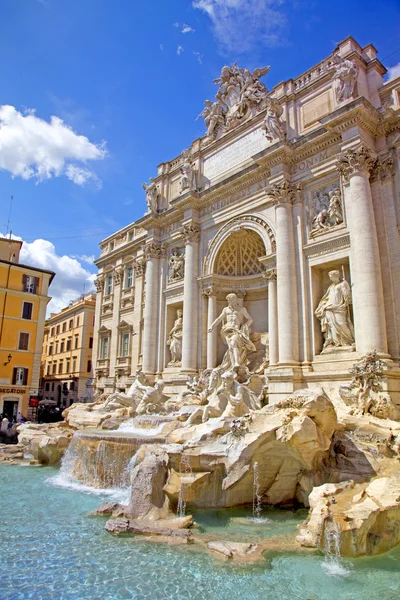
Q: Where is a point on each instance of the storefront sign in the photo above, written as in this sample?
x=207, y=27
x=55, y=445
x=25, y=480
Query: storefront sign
x=33, y=401
x=12, y=391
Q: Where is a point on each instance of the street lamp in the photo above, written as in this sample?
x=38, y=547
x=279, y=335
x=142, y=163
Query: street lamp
x=9, y=359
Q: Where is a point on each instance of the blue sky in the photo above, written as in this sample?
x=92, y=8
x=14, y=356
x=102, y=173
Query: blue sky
x=131, y=77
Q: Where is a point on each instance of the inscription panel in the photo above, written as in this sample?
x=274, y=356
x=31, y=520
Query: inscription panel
x=235, y=153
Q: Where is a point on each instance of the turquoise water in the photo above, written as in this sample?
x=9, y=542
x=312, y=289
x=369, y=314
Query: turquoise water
x=52, y=549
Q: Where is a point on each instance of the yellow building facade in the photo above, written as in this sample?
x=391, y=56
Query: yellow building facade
x=67, y=353
x=23, y=301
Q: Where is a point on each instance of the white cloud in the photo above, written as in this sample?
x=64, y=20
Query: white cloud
x=179, y=50
x=187, y=28
x=31, y=147
x=176, y=24
x=244, y=25
x=71, y=277
x=393, y=72
x=85, y=258
x=199, y=57
x=161, y=46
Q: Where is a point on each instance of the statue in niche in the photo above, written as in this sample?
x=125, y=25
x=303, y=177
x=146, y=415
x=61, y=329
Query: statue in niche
x=153, y=197
x=334, y=313
x=346, y=72
x=327, y=209
x=175, y=339
x=235, y=333
x=176, y=264
x=272, y=124
x=188, y=173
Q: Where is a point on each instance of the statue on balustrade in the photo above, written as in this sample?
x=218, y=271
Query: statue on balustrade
x=334, y=313
x=175, y=339
x=153, y=196
x=188, y=172
x=235, y=333
x=346, y=72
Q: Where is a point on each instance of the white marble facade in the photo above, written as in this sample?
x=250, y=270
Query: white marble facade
x=286, y=187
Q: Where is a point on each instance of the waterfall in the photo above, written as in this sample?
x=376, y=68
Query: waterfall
x=257, y=498
x=185, y=468
x=332, y=563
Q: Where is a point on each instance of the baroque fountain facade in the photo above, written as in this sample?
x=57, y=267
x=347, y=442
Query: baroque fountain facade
x=248, y=325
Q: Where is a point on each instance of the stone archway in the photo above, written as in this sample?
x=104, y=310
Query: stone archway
x=239, y=254
x=250, y=224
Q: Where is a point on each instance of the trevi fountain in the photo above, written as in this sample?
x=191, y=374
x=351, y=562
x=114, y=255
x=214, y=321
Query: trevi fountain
x=244, y=441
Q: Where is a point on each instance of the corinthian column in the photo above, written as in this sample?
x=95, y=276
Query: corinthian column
x=284, y=194
x=191, y=234
x=118, y=275
x=152, y=253
x=211, y=335
x=99, y=283
x=270, y=276
x=368, y=304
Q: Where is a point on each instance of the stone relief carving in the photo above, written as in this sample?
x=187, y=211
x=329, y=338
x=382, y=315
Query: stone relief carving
x=99, y=283
x=272, y=125
x=175, y=339
x=118, y=275
x=153, y=197
x=140, y=266
x=333, y=311
x=354, y=161
x=235, y=333
x=176, y=265
x=188, y=179
x=326, y=209
x=345, y=80
x=241, y=95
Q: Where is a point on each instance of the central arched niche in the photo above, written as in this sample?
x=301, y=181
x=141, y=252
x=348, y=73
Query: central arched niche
x=239, y=254
x=236, y=260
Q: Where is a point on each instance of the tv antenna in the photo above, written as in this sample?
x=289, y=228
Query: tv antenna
x=9, y=218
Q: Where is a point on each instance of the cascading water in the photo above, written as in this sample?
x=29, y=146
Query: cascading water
x=332, y=564
x=185, y=469
x=257, y=498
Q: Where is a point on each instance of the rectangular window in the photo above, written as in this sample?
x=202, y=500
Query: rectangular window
x=78, y=321
x=23, y=342
x=71, y=324
x=89, y=366
x=109, y=285
x=27, y=310
x=56, y=348
x=60, y=367
x=48, y=370
x=67, y=366
x=74, y=365
x=64, y=326
x=130, y=236
x=52, y=387
x=68, y=345
x=129, y=277
x=76, y=342
x=72, y=386
x=29, y=283
x=90, y=342
x=52, y=332
x=125, y=344
x=62, y=346
x=20, y=376
x=57, y=329
x=47, y=387
x=93, y=321
x=104, y=348
x=45, y=349
x=54, y=372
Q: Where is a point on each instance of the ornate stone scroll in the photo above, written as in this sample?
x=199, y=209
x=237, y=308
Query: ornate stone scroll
x=118, y=274
x=140, y=266
x=284, y=192
x=153, y=250
x=191, y=232
x=99, y=283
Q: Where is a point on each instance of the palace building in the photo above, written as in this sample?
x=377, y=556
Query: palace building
x=67, y=353
x=292, y=202
x=23, y=302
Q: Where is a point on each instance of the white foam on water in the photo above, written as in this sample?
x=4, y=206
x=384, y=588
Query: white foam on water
x=259, y=520
x=334, y=568
x=141, y=431
x=61, y=480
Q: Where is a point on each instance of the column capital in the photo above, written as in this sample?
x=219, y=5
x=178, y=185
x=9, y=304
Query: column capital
x=382, y=168
x=190, y=232
x=140, y=266
x=153, y=250
x=208, y=292
x=99, y=283
x=284, y=192
x=355, y=161
x=270, y=275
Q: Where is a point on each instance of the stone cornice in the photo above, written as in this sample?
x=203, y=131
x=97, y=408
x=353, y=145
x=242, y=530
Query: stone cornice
x=360, y=112
x=327, y=246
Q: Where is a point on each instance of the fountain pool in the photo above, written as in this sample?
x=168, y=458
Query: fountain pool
x=52, y=549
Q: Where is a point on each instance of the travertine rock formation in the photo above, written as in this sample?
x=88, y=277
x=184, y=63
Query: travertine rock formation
x=46, y=442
